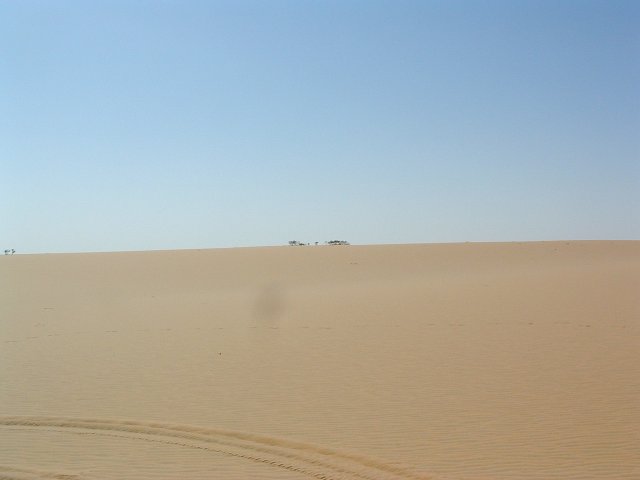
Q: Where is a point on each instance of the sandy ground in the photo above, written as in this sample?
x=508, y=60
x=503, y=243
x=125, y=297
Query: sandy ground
x=460, y=361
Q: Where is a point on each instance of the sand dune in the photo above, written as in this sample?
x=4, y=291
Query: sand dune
x=460, y=361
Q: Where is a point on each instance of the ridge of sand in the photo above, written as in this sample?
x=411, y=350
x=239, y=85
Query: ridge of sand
x=462, y=361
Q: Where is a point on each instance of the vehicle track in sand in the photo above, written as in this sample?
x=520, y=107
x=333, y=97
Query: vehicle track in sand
x=306, y=459
x=9, y=472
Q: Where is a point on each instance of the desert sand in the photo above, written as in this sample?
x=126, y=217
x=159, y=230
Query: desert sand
x=446, y=361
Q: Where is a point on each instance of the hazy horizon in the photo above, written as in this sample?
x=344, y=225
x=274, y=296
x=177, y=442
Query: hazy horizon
x=325, y=244
x=146, y=125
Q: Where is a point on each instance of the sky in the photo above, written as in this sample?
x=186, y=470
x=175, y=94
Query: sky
x=146, y=125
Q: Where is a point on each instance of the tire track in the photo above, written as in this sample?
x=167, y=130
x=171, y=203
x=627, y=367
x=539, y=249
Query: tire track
x=8, y=472
x=310, y=460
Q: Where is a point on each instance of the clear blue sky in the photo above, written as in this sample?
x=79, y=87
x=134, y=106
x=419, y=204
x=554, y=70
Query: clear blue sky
x=133, y=125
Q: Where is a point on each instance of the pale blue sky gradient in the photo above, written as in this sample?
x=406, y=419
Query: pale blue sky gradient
x=134, y=125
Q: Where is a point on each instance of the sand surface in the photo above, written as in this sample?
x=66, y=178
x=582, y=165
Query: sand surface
x=460, y=361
